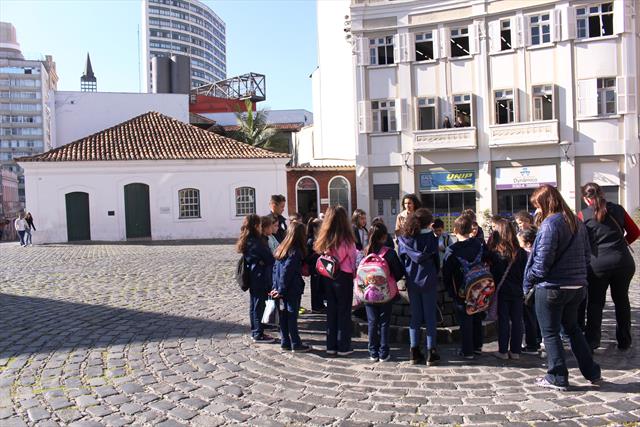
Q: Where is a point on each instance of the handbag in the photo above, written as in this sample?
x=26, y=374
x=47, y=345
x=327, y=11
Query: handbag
x=327, y=266
x=492, y=314
x=270, y=312
x=622, y=232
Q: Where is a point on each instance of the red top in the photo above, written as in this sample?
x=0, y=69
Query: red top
x=633, y=232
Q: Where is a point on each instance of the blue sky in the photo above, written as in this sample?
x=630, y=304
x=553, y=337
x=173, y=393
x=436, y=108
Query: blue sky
x=276, y=38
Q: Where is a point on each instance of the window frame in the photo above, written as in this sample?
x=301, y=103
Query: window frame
x=386, y=42
x=192, y=205
x=540, y=25
x=602, y=97
x=429, y=102
x=376, y=116
x=463, y=101
x=547, y=90
x=502, y=40
x=337, y=177
x=426, y=37
x=585, y=18
x=239, y=204
x=463, y=32
x=504, y=96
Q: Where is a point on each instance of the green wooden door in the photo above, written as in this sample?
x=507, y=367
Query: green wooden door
x=136, y=210
x=78, y=223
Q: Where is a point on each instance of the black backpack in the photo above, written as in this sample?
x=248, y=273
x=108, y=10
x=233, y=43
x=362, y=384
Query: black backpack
x=242, y=274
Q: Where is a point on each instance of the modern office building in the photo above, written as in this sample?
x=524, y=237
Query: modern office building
x=474, y=104
x=184, y=27
x=26, y=103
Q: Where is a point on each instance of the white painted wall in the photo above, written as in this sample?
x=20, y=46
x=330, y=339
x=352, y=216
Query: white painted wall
x=47, y=183
x=79, y=114
x=273, y=116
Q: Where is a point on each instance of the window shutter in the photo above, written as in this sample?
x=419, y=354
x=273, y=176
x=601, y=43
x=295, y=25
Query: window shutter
x=622, y=16
x=411, y=47
x=516, y=105
x=587, y=101
x=556, y=28
x=362, y=47
x=436, y=43
x=397, y=49
x=474, y=39
x=401, y=114
x=364, y=117
x=569, y=24
x=445, y=42
x=625, y=94
x=520, y=40
x=494, y=36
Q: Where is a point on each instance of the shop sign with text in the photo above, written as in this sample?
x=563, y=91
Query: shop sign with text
x=525, y=177
x=458, y=180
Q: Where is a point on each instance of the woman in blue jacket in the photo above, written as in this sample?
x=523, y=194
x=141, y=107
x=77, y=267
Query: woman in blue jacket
x=418, y=249
x=557, y=268
x=288, y=285
x=259, y=261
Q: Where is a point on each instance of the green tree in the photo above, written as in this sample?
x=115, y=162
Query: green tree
x=254, y=129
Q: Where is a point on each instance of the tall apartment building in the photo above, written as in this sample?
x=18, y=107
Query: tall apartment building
x=475, y=103
x=26, y=103
x=184, y=27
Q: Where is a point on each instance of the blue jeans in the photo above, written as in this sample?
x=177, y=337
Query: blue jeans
x=470, y=329
x=424, y=308
x=339, y=294
x=379, y=318
x=21, y=235
x=558, y=308
x=27, y=237
x=289, y=335
x=509, y=324
x=256, y=310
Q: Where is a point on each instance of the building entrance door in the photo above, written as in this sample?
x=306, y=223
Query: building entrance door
x=512, y=201
x=449, y=205
x=136, y=210
x=307, y=198
x=78, y=222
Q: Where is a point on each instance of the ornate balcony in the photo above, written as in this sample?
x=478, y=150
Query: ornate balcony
x=528, y=133
x=445, y=139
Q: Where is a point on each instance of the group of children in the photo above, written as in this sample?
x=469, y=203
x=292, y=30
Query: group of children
x=424, y=255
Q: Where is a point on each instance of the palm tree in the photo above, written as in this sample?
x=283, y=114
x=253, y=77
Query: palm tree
x=254, y=129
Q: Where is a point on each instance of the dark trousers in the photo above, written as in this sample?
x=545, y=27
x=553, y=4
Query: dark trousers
x=339, y=294
x=619, y=281
x=257, y=300
x=532, y=334
x=470, y=330
x=317, y=293
x=289, y=335
x=509, y=324
x=379, y=318
x=21, y=233
x=558, y=308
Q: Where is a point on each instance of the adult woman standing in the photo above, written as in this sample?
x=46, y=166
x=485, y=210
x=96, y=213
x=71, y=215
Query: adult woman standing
x=410, y=203
x=336, y=238
x=557, y=268
x=611, y=263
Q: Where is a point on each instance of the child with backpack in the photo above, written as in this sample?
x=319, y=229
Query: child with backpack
x=467, y=256
x=418, y=249
x=258, y=260
x=382, y=266
x=288, y=286
x=508, y=261
x=336, y=240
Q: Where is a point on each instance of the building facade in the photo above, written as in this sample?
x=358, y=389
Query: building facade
x=184, y=27
x=9, y=203
x=26, y=104
x=474, y=104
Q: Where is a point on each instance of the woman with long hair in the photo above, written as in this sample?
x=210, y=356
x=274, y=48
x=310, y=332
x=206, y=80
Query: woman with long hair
x=611, y=230
x=336, y=238
x=360, y=232
x=259, y=261
x=410, y=203
x=508, y=261
x=557, y=268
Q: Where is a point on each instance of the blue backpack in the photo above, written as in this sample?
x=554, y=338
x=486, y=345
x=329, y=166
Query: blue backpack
x=478, y=286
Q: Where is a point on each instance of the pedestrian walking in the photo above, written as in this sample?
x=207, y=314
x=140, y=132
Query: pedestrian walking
x=557, y=268
x=336, y=239
x=29, y=229
x=20, y=225
x=418, y=249
x=611, y=230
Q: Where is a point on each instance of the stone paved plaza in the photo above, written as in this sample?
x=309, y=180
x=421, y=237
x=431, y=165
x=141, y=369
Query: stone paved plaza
x=157, y=335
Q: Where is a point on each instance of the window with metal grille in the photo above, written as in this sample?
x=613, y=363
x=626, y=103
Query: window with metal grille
x=189, y=203
x=245, y=201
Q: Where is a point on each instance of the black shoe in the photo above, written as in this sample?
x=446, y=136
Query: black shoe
x=264, y=339
x=527, y=350
x=301, y=348
x=433, y=357
x=415, y=356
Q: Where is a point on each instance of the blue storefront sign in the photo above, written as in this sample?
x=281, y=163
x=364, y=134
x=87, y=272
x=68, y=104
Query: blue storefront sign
x=458, y=180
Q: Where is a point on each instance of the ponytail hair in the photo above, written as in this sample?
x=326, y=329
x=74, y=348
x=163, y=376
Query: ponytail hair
x=593, y=192
x=377, y=233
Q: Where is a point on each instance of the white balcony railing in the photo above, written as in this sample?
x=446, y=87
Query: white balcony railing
x=439, y=139
x=527, y=133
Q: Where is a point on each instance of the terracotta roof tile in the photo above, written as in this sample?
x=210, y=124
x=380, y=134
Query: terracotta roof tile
x=152, y=136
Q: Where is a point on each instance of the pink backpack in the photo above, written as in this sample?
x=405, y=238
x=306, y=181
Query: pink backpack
x=374, y=283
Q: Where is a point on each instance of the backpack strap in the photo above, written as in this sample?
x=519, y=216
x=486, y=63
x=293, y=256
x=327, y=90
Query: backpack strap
x=383, y=251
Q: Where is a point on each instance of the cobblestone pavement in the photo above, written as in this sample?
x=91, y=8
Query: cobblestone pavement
x=118, y=334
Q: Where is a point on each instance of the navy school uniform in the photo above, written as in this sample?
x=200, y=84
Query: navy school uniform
x=288, y=282
x=259, y=261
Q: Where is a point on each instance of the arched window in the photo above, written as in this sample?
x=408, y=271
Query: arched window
x=189, y=203
x=245, y=201
x=339, y=192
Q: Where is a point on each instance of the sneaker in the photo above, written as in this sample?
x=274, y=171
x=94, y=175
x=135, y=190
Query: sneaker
x=374, y=358
x=432, y=357
x=527, y=350
x=386, y=358
x=300, y=348
x=501, y=356
x=302, y=310
x=466, y=356
x=514, y=356
x=331, y=352
x=345, y=353
x=415, y=356
x=263, y=339
x=543, y=382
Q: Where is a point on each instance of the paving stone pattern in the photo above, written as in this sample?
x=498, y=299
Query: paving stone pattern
x=112, y=335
